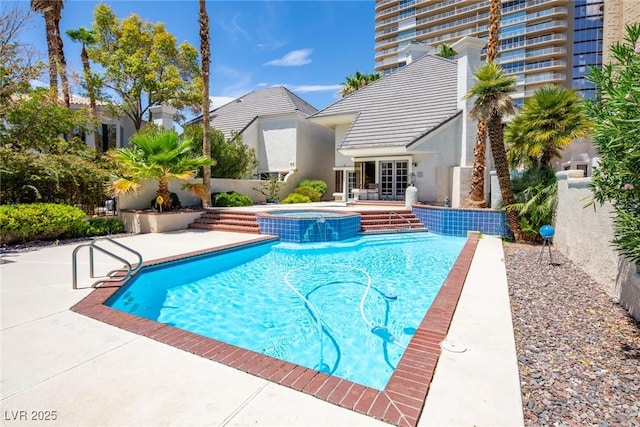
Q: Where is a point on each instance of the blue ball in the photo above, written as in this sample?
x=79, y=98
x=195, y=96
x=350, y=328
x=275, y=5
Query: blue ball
x=547, y=231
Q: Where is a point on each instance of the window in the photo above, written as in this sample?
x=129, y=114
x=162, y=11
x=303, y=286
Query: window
x=407, y=33
x=339, y=175
x=108, y=137
x=407, y=13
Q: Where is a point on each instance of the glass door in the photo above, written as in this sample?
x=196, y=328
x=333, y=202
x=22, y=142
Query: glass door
x=394, y=178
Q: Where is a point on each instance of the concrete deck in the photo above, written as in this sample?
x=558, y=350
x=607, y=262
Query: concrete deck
x=90, y=373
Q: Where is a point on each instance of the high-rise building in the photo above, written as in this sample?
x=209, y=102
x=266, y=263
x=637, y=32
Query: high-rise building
x=618, y=13
x=541, y=41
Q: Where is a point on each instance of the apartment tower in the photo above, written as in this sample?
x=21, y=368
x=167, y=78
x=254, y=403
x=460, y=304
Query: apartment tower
x=541, y=41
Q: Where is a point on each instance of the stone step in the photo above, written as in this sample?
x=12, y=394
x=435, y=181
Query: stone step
x=225, y=227
x=222, y=220
x=234, y=221
x=389, y=222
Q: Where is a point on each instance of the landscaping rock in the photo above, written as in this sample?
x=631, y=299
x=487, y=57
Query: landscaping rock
x=578, y=351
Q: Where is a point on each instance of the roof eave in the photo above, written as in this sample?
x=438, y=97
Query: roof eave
x=334, y=120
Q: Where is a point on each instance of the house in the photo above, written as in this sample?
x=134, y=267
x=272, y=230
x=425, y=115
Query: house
x=112, y=132
x=273, y=121
x=115, y=132
x=409, y=127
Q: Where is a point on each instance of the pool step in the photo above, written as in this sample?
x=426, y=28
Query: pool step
x=389, y=221
x=227, y=220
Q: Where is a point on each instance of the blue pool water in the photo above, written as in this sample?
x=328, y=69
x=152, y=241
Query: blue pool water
x=346, y=308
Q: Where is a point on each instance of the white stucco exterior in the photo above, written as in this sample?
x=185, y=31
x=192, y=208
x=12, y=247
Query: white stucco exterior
x=439, y=163
x=277, y=143
x=288, y=142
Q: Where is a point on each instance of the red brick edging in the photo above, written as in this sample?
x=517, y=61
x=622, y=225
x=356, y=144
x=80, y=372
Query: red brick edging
x=401, y=401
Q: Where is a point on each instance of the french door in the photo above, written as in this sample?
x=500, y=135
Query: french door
x=394, y=178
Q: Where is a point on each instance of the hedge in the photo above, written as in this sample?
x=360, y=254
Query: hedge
x=37, y=221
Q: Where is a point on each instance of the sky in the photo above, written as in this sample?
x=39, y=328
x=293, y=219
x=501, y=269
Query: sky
x=310, y=47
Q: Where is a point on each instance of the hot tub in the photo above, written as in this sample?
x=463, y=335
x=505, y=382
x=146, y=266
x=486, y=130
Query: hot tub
x=309, y=225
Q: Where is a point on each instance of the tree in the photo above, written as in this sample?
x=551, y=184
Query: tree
x=86, y=38
x=446, y=51
x=549, y=121
x=493, y=101
x=357, y=81
x=233, y=158
x=17, y=63
x=37, y=122
x=143, y=65
x=52, y=12
x=159, y=155
x=205, y=53
x=616, y=178
x=476, y=193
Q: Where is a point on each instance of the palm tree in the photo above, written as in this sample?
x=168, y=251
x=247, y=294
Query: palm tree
x=87, y=38
x=205, y=52
x=160, y=155
x=549, y=121
x=52, y=12
x=493, y=101
x=446, y=51
x=357, y=81
x=476, y=194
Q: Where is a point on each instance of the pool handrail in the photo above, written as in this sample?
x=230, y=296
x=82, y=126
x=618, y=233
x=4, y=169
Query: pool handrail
x=392, y=213
x=93, y=245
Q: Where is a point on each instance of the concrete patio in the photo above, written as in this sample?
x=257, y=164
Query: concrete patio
x=90, y=373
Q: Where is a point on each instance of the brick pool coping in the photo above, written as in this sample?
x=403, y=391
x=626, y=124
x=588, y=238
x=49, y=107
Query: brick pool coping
x=401, y=401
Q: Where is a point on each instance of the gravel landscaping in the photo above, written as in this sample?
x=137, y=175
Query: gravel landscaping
x=578, y=351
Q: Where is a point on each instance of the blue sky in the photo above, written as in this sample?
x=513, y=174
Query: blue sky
x=308, y=46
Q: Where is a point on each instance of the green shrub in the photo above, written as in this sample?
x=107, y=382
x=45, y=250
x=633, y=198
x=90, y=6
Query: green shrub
x=313, y=194
x=37, y=221
x=230, y=199
x=96, y=227
x=316, y=184
x=29, y=177
x=616, y=178
x=535, y=192
x=296, y=198
x=175, y=202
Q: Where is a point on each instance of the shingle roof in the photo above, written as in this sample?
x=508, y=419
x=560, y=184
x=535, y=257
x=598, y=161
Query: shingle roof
x=401, y=107
x=237, y=114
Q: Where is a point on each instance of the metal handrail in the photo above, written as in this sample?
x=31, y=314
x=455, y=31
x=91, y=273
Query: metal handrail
x=92, y=245
x=401, y=217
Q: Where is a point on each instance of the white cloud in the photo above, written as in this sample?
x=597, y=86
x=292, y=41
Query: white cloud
x=293, y=58
x=314, y=88
x=219, y=101
x=233, y=27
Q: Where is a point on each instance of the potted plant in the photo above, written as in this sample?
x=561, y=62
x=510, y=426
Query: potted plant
x=270, y=189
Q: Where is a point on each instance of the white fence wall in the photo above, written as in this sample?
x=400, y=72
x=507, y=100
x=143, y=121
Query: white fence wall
x=583, y=234
x=147, y=192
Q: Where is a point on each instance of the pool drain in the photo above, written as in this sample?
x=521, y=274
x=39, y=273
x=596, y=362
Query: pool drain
x=452, y=347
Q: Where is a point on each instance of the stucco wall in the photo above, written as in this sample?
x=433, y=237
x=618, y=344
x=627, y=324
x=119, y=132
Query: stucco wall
x=340, y=159
x=584, y=234
x=250, y=137
x=142, y=199
x=316, y=152
x=277, y=143
x=434, y=172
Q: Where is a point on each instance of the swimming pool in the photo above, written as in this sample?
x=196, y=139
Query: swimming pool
x=347, y=308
